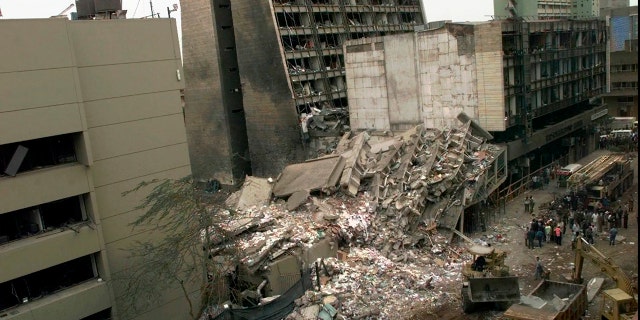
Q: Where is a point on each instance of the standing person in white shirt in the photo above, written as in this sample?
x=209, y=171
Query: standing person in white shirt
x=594, y=219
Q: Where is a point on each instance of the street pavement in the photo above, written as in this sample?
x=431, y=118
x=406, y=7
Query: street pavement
x=510, y=226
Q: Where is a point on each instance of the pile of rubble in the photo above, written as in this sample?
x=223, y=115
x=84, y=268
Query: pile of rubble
x=380, y=204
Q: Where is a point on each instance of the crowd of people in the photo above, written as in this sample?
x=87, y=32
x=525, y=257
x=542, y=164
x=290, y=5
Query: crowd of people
x=629, y=144
x=568, y=214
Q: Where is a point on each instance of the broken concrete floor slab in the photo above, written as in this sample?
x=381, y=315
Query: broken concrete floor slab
x=383, y=219
x=255, y=192
x=320, y=174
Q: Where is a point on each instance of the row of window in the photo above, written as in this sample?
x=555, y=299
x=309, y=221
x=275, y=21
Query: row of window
x=624, y=85
x=46, y=282
x=624, y=68
x=20, y=157
x=36, y=154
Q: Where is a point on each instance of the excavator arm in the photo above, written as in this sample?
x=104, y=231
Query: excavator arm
x=586, y=250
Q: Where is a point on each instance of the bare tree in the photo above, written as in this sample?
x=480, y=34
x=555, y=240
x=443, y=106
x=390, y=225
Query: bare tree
x=184, y=222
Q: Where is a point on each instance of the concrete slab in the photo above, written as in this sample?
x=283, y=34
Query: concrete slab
x=255, y=192
x=310, y=312
x=321, y=174
x=297, y=199
x=533, y=301
x=593, y=287
x=558, y=303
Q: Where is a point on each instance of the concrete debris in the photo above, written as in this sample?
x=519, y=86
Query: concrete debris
x=558, y=303
x=375, y=215
x=320, y=174
x=255, y=192
x=297, y=199
x=533, y=301
x=593, y=287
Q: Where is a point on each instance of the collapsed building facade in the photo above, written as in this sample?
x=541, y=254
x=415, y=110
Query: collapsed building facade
x=534, y=85
x=388, y=205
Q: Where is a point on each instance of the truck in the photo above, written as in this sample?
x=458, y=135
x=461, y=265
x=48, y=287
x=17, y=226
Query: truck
x=551, y=300
x=486, y=281
x=608, y=176
x=618, y=303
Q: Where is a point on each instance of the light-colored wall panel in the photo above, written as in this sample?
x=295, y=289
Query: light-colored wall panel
x=41, y=122
x=112, y=81
x=139, y=164
x=490, y=77
x=119, y=255
x=27, y=40
x=112, y=202
x=47, y=250
x=174, y=309
x=119, y=226
x=53, y=87
x=70, y=304
x=129, y=137
x=44, y=185
x=122, y=41
x=131, y=108
x=402, y=82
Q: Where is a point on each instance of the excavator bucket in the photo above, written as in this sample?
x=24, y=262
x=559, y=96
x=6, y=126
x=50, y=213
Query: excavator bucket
x=495, y=293
x=498, y=289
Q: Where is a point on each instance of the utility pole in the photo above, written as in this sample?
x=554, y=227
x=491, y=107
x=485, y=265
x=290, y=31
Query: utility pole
x=175, y=8
x=153, y=15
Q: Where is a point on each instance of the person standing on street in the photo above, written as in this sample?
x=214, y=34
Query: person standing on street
x=589, y=235
x=600, y=222
x=619, y=214
x=531, y=204
x=526, y=204
x=540, y=236
x=547, y=232
x=625, y=219
x=558, y=232
x=613, y=232
x=539, y=269
x=530, y=237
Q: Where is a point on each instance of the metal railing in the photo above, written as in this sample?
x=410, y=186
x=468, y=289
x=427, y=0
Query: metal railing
x=525, y=183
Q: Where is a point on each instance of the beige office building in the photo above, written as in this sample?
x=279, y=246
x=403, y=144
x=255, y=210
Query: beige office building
x=88, y=109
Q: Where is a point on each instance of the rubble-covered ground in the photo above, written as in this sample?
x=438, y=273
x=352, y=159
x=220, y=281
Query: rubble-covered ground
x=393, y=261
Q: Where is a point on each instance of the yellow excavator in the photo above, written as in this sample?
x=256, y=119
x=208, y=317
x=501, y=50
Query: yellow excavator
x=618, y=303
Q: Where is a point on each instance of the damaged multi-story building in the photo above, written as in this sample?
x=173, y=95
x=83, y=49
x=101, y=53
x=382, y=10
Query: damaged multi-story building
x=622, y=75
x=547, y=9
x=87, y=112
x=255, y=68
x=533, y=85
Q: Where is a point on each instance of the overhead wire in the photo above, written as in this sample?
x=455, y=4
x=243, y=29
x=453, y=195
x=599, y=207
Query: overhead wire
x=134, y=11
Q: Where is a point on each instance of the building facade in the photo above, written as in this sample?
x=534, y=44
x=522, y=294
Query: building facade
x=533, y=85
x=622, y=76
x=614, y=4
x=290, y=66
x=87, y=111
x=546, y=9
